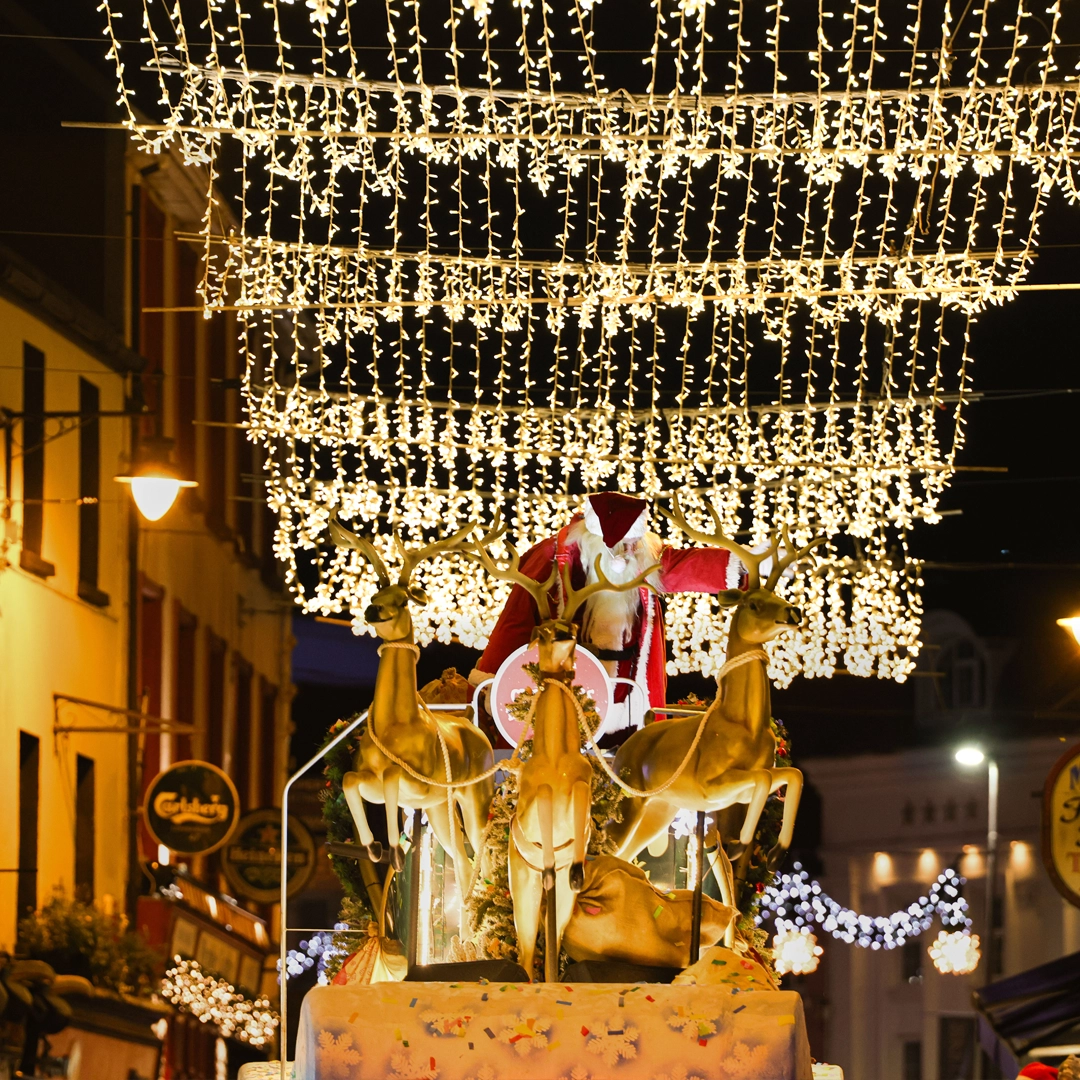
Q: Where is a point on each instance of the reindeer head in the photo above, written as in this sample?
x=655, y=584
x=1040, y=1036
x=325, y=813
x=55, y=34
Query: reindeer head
x=388, y=611
x=554, y=637
x=760, y=614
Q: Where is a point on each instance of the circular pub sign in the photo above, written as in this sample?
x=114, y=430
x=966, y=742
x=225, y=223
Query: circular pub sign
x=252, y=857
x=191, y=808
x=1061, y=825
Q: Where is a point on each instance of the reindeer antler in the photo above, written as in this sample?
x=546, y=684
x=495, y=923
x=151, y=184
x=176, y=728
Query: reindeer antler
x=777, y=539
x=341, y=537
x=718, y=539
x=576, y=597
x=412, y=557
x=538, y=590
x=791, y=555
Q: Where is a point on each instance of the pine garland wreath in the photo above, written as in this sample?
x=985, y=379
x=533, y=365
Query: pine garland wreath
x=336, y=813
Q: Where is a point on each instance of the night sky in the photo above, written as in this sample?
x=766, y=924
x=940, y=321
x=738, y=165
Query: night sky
x=1007, y=558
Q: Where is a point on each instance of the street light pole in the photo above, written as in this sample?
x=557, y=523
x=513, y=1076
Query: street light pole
x=992, y=781
x=971, y=756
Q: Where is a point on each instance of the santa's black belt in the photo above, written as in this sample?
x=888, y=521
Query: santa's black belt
x=612, y=654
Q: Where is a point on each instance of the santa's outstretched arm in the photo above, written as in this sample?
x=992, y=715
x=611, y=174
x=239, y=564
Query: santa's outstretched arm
x=700, y=569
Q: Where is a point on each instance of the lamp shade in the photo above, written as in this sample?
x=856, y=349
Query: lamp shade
x=154, y=482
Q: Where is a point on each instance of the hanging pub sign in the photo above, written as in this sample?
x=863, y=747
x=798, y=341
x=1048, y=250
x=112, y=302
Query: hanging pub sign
x=1061, y=825
x=191, y=808
x=252, y=857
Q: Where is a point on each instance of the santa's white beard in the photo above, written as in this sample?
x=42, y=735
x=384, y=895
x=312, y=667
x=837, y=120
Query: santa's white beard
x=610, y=616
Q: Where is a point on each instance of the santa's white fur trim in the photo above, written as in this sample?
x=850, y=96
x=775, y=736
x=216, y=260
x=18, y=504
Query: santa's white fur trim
x=592, y=523
x=733, y=576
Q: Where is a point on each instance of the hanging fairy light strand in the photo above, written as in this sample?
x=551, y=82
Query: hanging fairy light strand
x=758, y=288
x=796, y=902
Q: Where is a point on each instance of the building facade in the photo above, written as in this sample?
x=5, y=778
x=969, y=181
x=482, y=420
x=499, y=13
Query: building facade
x=125, y=645
x=890, y=823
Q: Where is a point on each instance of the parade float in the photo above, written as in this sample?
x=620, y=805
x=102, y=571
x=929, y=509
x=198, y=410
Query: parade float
x=486, y=260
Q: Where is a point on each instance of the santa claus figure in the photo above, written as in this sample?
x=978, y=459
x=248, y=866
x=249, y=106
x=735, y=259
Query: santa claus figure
x=625, y=630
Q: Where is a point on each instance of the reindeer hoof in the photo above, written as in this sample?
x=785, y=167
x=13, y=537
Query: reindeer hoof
x=397, y=859
x=775, y=857
x=577, y=877
x=734, y=849
x=375, y=851
x=549, y=880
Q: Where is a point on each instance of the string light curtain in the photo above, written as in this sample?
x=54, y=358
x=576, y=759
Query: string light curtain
x=497, y=254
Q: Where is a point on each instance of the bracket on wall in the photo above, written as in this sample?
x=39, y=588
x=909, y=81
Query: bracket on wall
x=143, y=723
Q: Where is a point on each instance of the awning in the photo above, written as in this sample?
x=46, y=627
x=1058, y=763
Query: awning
x=1033, y=1016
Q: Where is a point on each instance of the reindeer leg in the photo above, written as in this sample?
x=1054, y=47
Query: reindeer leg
x=475, y=801
x=792, y=779
x=582, y=801
x=545, y=815
x=439, y=820
x=350, y=786
x=721, y=868
x=391, y=784
x=526, y=891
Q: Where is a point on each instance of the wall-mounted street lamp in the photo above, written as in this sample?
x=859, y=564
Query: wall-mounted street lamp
x=154, y=481
x=1072, y=625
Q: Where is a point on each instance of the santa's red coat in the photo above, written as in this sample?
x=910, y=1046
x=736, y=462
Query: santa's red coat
x=701, y=570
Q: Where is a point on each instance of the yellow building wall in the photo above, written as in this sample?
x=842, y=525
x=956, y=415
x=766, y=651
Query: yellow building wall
x=53, y=642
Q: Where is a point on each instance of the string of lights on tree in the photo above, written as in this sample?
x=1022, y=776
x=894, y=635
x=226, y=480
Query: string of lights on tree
x=215, y=1001
x=796, y=904
x=757, y=286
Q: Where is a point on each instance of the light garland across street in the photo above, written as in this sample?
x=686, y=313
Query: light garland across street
x=461, y=282
x=797, y=902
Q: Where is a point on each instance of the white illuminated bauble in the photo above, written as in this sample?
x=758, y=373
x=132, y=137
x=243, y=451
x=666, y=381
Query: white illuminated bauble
x=796, y=951
x=955, y=953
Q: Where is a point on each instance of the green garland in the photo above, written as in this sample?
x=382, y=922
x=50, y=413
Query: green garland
x=336, y=813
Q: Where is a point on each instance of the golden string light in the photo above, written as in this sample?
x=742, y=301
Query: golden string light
x=746, y=272
x=215, y=1001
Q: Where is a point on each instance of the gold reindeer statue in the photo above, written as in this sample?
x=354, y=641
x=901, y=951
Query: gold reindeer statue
x=550, y=827
x=408, y=755
x=727, y=756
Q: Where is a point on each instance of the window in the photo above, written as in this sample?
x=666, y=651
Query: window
x=912, y=1063
x=267, y=741
x=151, y=609
x=963, y=685
x=217, y=444
x=84, y=827
x=187, y=332
x=956, y=1045
x=911, y=960
x=240, y=763
x=215, y=699
x=89, y=493
x=29, y=780
x=33, y=463
x=187, y=627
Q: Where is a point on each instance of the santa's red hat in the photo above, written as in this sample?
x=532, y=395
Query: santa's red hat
x=615, y=517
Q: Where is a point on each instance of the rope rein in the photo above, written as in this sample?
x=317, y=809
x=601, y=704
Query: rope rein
x=450, y=784
x=729, y=665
